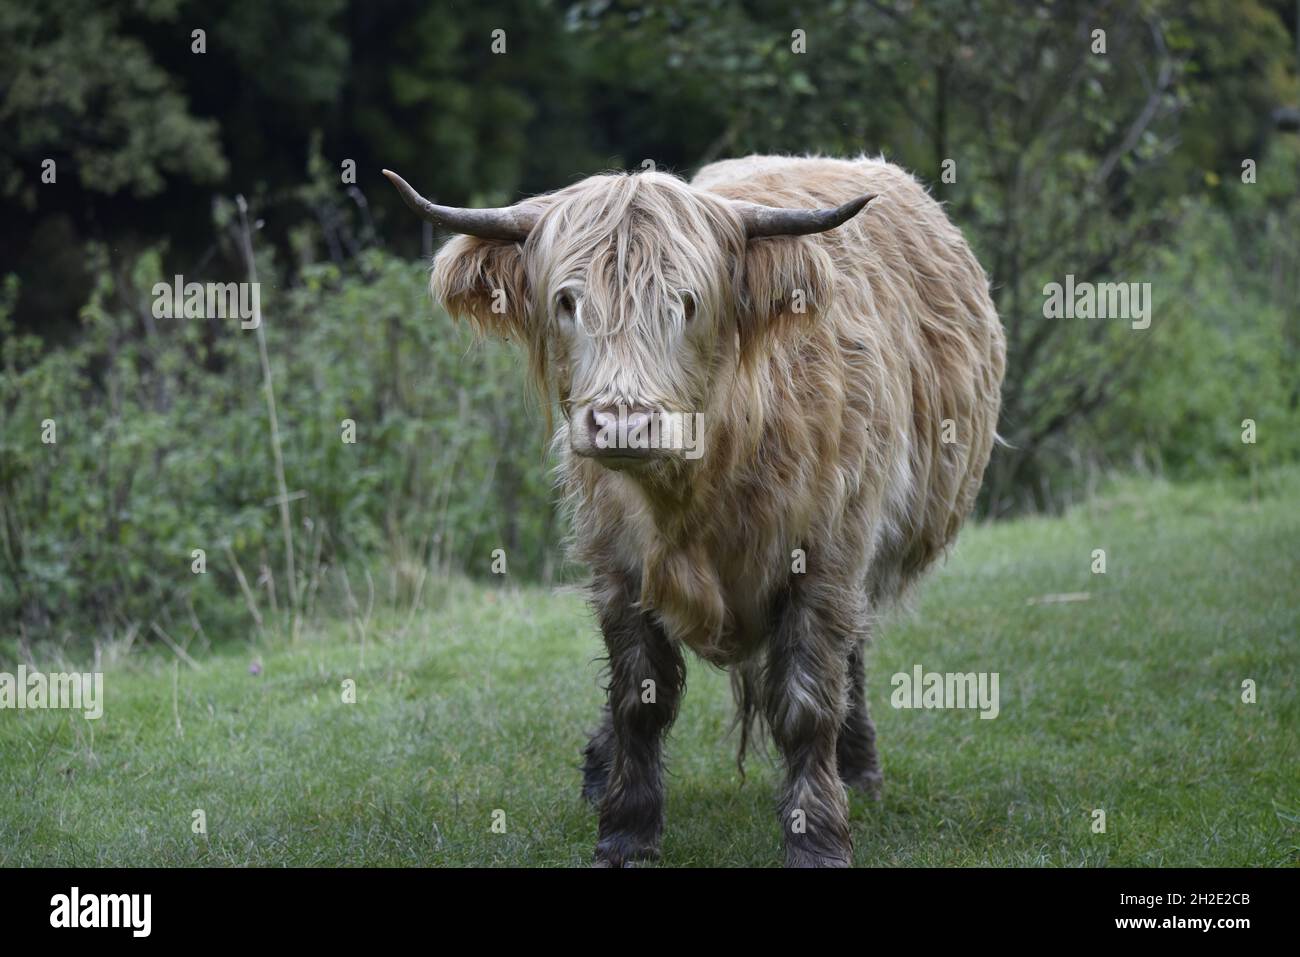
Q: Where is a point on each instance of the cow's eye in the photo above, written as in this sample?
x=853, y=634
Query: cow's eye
x=688, y=306
x=564, y=304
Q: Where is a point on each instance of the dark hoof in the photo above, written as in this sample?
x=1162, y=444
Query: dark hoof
x=812, y=859
x=623, y=850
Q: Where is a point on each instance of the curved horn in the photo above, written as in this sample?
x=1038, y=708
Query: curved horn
x=778, y=221
x=508, y=222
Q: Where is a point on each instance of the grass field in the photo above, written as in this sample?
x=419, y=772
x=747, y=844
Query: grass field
x=1129, y=701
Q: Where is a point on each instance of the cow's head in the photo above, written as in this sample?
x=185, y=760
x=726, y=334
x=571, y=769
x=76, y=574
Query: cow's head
x=636, y=296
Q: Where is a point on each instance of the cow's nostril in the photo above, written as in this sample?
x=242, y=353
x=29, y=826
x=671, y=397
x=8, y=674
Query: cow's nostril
x=602, y=427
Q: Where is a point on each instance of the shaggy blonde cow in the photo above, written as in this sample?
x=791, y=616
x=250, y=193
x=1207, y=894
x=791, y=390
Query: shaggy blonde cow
x=779, y=386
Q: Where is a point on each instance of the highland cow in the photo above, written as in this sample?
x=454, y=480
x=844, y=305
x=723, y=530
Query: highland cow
x=833, y=334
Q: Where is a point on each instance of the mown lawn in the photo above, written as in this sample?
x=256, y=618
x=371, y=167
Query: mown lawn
x=1129, y=701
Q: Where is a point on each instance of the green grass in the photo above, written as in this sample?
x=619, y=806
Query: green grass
x=1129, y=701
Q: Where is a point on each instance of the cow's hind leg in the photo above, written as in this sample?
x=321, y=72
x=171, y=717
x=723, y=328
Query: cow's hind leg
x=859, y=766
x=646, y=678
x=804, y=698
x=597, y=758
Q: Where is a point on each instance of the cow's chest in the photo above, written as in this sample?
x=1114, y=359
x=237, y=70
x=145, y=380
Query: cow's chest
x=717, y=601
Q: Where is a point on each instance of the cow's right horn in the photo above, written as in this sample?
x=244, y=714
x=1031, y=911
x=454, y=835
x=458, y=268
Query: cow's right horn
x=508, y=222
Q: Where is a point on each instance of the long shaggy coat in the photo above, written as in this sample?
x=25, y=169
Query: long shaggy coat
x=849, y=383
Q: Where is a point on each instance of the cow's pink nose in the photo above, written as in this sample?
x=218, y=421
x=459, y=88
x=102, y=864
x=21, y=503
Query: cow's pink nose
x=620, y=431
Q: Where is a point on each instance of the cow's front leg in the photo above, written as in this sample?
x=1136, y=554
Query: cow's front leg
x=646, y=678
x=804, y=697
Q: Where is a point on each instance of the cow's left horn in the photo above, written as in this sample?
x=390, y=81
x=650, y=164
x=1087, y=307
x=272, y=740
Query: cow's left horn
x=508, y=222
x=778, y=221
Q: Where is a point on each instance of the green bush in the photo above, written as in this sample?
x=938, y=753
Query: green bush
x=163, y=446
x=1225, y=342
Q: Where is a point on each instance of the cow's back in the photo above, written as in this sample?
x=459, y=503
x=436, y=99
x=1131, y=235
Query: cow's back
x=917, y=343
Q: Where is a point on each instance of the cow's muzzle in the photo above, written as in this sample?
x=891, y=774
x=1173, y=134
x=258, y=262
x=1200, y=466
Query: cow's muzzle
x=620, y=437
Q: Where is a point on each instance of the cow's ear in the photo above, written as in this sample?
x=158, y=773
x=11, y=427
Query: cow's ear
x=785, y=283
x=483, y=280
